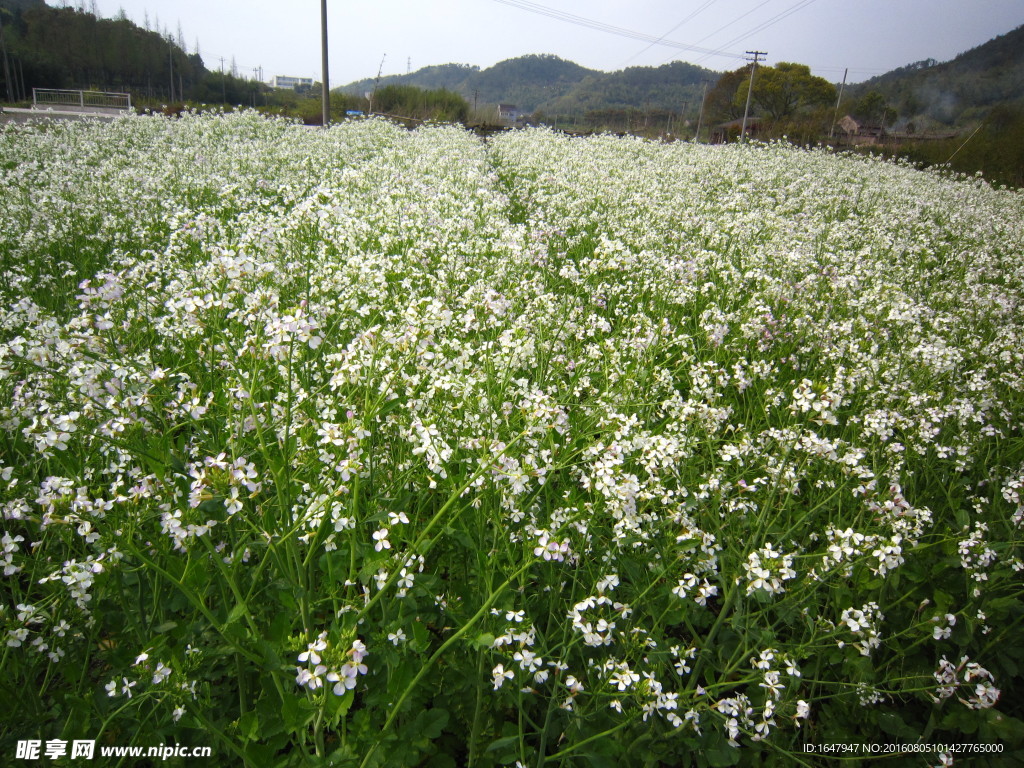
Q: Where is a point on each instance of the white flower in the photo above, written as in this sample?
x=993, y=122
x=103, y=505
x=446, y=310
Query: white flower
x=499, y=674
x=397, y=638
x=161, y=673
x=380, y=538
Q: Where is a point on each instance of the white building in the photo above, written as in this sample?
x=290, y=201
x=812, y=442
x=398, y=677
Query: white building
x=295, y=83
x=508, y=113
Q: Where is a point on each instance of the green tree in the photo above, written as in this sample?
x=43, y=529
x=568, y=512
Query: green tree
x=786, y=89
x=873, y=107
x=721, y=103
x=410, y=101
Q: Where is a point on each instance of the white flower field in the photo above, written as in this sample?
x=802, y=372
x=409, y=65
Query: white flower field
x=375, y=447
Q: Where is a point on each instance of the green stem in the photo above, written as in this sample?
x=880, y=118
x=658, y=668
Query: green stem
x=426, y=666
x=603, y=735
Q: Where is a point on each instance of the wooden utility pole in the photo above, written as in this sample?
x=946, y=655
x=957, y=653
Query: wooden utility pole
x=325, y=86
x=750, y=91
x=835, y=116
x=170, y=65
x=223, y=82
x=700, y=115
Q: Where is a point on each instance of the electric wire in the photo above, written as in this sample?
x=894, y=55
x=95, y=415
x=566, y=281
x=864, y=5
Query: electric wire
x=582, y=21
x=665, y=36
x=771, y=21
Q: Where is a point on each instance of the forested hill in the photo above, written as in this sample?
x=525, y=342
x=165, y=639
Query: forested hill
x=72, y=48
x=546, y=83
x=21, y=5
x=961, y=89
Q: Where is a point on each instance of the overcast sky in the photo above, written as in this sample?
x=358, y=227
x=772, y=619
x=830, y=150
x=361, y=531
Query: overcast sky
x=867, y=36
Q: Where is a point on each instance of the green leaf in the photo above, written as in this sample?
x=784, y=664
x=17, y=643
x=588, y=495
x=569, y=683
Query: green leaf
x=249, y=725
x=893, y=724
x=502, y=743
x=420, y=637
x=167, y=626
x=719, y=753
x=430, y=723
x=236, y=613
x=1004, y=728
x=296, y=712
x=338, y=706
x=599, y=761
x=484, y=640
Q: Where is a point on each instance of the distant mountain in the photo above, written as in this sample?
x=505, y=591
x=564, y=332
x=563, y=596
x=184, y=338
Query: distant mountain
x=449, y=76
x=668, y=87
x=552, y=85
x=959, y=90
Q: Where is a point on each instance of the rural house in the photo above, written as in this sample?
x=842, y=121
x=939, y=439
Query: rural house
x=508, y=113
x=855, y=132
x=730, y=131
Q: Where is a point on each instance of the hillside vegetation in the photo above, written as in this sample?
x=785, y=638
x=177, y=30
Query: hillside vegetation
x=957, y=91
x=553, y=86
x=69, y=48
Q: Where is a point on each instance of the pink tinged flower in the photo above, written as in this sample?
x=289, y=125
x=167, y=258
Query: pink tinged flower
x=345, y=681
x=315, y=679
x=358, y=651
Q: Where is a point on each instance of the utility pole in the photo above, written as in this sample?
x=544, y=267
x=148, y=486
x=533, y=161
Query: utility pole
x=170, y=64
x=326, y=88
x=377, y=81
x=700, y=115
x=750, y=91
x=223, y=83
x=835, y=116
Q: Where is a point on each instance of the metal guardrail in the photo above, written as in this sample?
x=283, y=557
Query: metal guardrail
x=50, y=97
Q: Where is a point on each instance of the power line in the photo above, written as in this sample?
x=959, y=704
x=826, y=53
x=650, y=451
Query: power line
x=581, y=21
x=800, y=5
x=773, y=20
x=677, y=26
x=730, y=23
